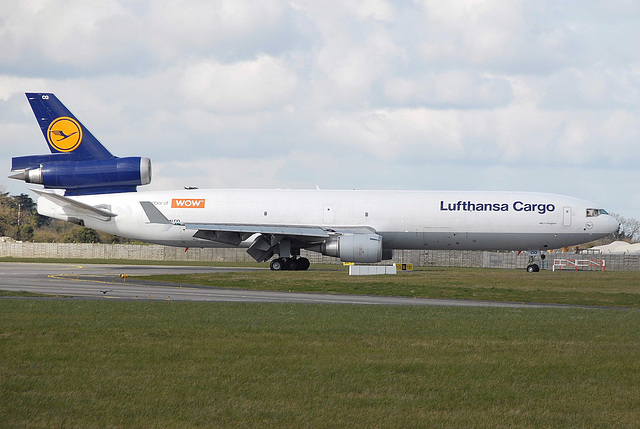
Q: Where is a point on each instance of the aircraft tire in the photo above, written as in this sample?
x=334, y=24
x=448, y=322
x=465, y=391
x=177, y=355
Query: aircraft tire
x=291, y=264
x=533, y=268
x=303, y=264
x=277, y=265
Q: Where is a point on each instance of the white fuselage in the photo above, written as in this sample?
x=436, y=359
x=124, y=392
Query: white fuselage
x=405, y=219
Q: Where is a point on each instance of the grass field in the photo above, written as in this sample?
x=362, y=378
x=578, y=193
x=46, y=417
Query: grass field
x=82, y=364
x=621, y=288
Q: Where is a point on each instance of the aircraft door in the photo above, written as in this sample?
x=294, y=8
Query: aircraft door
x=566, y=219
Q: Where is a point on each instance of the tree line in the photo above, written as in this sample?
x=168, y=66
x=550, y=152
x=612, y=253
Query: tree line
x=629, y=230
x=20, y=221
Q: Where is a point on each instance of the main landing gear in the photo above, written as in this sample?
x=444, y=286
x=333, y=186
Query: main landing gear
x=292, y=264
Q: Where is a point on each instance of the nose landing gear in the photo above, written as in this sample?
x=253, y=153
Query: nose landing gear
x=533, y=268
x=535, y=261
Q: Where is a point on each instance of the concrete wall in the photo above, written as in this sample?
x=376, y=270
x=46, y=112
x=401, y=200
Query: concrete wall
x=419, y=258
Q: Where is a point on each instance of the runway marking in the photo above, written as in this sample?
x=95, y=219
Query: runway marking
x=83, y=278
x=78, y=279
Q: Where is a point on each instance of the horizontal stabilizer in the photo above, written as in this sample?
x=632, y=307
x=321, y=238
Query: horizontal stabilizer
x=77, y=206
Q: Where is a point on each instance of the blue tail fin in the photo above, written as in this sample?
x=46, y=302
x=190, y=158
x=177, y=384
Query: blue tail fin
x=78, y=163
x=63, y=132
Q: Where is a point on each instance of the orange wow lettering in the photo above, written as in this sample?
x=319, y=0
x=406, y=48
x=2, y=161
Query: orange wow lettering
x=190, y=203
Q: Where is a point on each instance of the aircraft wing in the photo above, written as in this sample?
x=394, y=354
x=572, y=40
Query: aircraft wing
x=236, y=233
x=76, y=206
x=303, y=231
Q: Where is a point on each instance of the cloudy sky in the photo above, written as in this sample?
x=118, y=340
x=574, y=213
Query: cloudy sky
x=432, y=94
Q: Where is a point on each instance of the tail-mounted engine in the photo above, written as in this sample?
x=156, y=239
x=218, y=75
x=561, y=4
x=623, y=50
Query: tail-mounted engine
x=78, y=162
x=80, y=177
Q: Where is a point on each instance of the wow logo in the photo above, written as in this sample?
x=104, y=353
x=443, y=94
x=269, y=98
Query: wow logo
x=184, y=203
x=64, y=134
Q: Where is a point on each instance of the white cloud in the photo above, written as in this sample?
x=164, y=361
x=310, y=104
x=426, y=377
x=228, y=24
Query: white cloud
x=396, y=134
x=208, y=26
x=12, y=85
x=477, y=31
x=67, y=35
x=451, y=88
x=218, y=172
x=105, y=37
x=347, y=71
x=591, y=88
x=379, y=10
x=244, y=86
x=353, y=50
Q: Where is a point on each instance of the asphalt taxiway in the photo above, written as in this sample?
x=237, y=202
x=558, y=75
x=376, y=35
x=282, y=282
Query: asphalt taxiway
x=119, y=282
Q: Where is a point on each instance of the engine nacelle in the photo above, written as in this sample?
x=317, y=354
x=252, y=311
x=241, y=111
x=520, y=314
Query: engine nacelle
x=361, y=248
x=90, y=176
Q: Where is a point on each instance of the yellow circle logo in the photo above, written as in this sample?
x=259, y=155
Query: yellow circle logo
x=64, y=134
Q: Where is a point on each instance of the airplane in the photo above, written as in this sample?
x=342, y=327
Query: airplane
x=87, y=185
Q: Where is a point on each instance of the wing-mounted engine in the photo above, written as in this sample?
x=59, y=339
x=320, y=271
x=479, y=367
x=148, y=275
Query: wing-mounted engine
x=81, y=177
x=359, y=248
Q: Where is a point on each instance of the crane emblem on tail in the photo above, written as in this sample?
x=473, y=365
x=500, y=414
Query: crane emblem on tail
x=64, y=134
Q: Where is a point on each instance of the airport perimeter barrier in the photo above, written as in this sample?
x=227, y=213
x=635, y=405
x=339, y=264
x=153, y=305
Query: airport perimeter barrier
x=578, y=264
x=419, y=258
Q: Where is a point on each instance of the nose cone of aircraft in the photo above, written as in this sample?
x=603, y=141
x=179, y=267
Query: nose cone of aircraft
x=613, y=225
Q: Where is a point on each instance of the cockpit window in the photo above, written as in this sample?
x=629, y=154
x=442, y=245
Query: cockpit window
x=596, y=212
